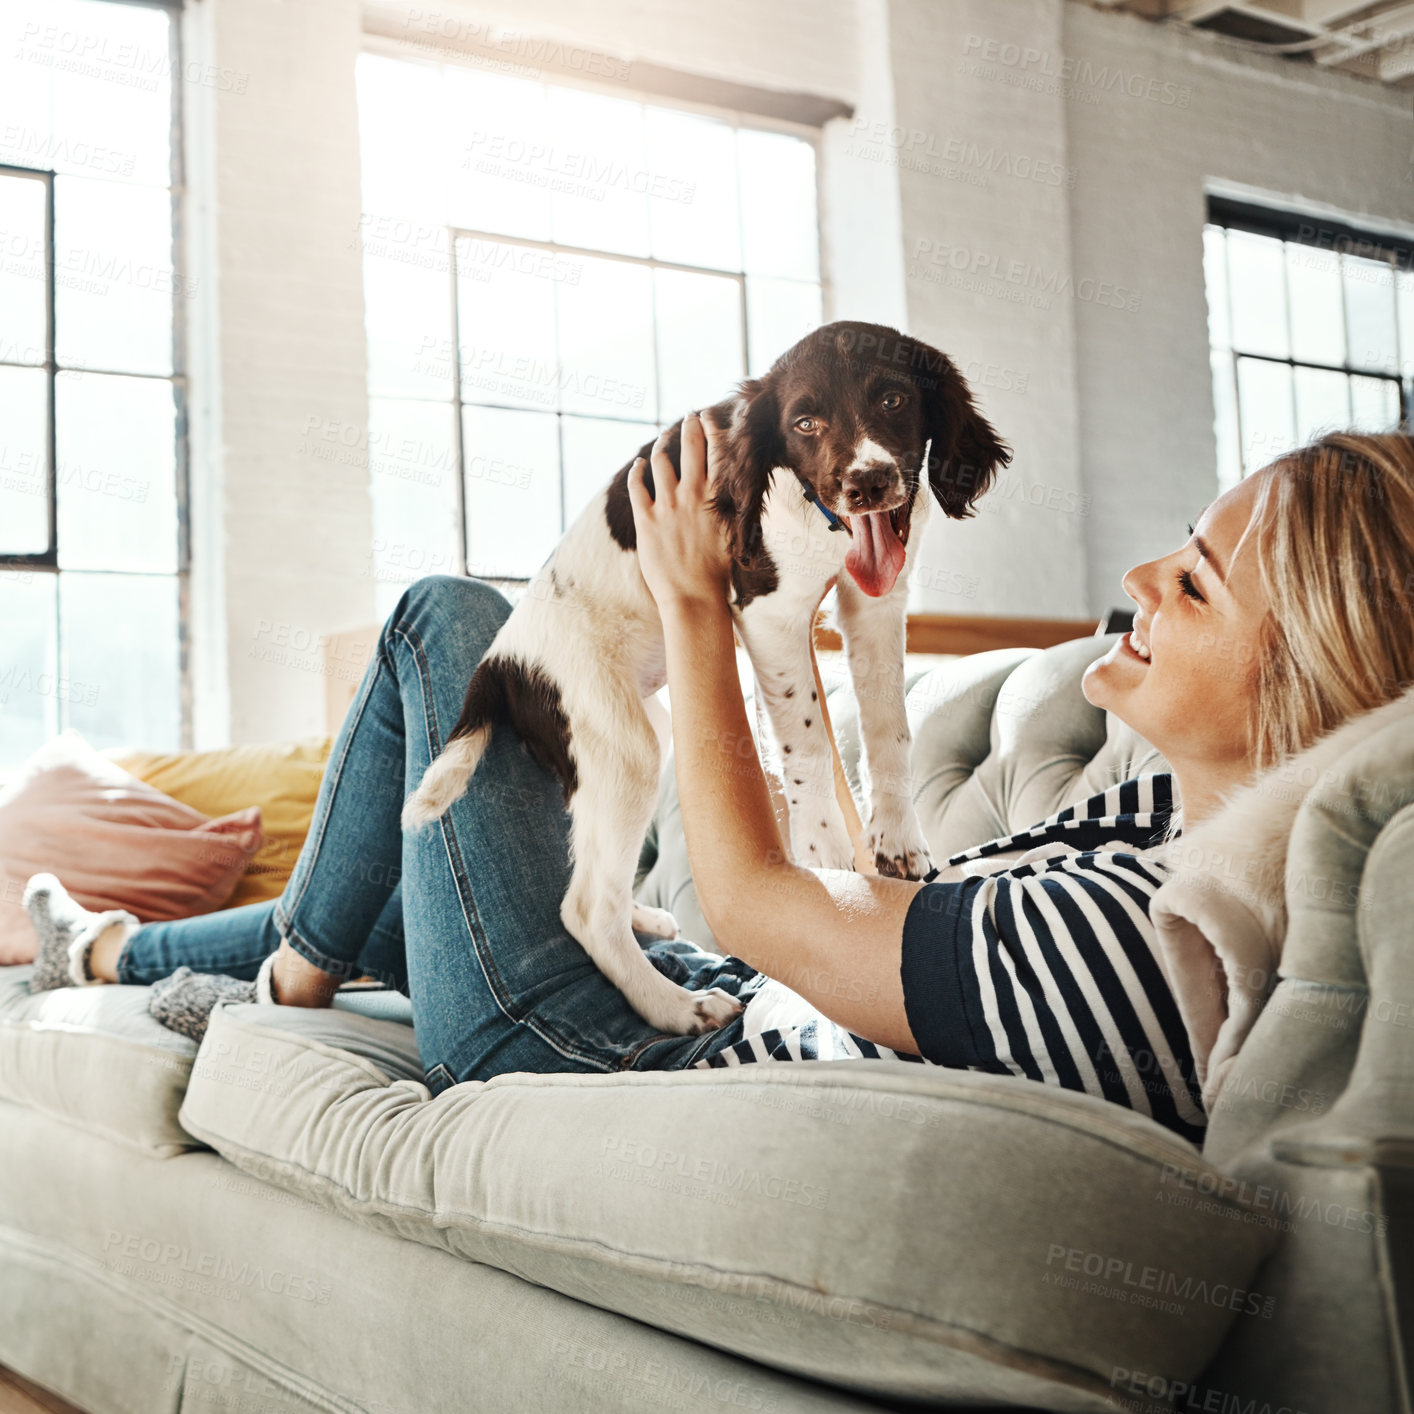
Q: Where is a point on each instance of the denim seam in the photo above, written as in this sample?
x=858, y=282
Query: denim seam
x=470, y=913
x=284, y=923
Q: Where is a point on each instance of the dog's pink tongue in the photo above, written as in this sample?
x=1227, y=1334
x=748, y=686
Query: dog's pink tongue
x=876, y=554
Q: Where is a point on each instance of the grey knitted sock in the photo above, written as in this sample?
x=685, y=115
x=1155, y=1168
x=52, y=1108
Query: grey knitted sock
x=184, y=1001
x=66, y=932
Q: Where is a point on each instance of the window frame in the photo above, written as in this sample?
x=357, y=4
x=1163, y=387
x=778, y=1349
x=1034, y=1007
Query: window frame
x=47, y=561
x=390, y=48
x=1296, y=228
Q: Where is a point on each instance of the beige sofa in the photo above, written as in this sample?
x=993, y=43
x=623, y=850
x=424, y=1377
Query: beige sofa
x=287, y=1220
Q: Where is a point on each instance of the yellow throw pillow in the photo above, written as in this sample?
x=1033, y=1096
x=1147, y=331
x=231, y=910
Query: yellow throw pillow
x=282, y=778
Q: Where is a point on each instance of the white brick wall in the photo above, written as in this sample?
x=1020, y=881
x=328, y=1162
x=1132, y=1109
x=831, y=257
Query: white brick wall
x=1288, y=132
x=970, y=226
x=283, y=535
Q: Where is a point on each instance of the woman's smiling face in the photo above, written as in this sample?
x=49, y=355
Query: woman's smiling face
x=1183, y=679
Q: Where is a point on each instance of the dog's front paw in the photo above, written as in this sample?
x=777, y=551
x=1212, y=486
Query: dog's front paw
x=656, y=922
x=713, y=1009
x=899, y=849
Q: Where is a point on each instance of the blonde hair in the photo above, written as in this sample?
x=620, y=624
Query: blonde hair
x=1335, y=550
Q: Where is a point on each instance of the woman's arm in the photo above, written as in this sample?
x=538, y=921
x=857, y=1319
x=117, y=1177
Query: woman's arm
x=831, y=935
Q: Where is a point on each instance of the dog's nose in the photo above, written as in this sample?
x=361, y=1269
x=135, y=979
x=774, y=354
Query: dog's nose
x=866, y=488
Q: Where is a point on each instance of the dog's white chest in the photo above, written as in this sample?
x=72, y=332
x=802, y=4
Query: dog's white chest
x=807, y=554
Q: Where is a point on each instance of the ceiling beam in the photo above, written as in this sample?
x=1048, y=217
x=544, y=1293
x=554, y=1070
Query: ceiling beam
x=1194, y=12
x=1329, y=13
x=1288, y=13
x=1389, y=27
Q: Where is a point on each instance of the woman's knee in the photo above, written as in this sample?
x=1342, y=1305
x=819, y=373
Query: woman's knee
x=440, y=600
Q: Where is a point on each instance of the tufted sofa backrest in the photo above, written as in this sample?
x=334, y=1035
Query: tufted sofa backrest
x=1001, y=740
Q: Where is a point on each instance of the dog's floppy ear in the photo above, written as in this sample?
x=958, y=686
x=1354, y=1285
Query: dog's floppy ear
x=753, y=448
x=964, y=452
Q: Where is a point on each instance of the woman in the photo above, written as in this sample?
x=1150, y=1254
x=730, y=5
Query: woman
x=1031, y=956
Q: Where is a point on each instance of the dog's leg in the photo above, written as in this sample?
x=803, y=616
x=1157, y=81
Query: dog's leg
x=874, y=637
x=779, y=645
x=618, y=788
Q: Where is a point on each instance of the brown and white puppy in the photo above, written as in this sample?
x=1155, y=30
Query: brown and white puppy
x=826, y=457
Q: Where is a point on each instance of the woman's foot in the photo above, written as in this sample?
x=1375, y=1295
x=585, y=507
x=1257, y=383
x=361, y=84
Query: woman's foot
x=67, y=933
x=184, y=1001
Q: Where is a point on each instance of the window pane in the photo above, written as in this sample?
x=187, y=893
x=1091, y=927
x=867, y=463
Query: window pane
x=29, y=684
x=22, y=275
x=407, y=314
x=1225, y=421
x=412, y=464
x=597, y=188
x=506, y=321
x=779, y=313
x=1256, y=277
x=512, y=490
x=1369, y=313
x=780, y=235
x=120, y=659
x=1374, y=404
x=1322, y=402
x=116, y=473
x=1268, y=417
x=699, y=341
x=26, y=84
x=499, y=149
x=400, y=123
x=1317, y=317
x=24, y=458
x=1215, y=281
x=606, y=340
x=113, y=107
x=595, y=449
x=693, y=189
x=113, y=275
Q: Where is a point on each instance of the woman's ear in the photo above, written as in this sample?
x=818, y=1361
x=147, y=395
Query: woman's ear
x=750, y=450
x=964, y=451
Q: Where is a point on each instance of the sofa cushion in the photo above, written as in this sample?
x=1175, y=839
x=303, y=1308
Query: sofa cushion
x=93, y=1056
x=843, y=1221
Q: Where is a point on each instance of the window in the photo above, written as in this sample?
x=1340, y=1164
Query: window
x=1311, y=327
x=551, y=274
x=92, y=550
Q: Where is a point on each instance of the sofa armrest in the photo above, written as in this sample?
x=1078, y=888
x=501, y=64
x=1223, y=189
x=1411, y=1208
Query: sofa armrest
x=1372, y=1123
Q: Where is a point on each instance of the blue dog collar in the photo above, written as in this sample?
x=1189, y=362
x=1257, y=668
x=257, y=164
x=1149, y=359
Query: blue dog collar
x=835, y=522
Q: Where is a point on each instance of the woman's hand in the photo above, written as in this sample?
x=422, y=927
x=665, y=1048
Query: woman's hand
x=682, y=545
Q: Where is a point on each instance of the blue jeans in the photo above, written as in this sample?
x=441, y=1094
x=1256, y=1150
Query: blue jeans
x=465, y=915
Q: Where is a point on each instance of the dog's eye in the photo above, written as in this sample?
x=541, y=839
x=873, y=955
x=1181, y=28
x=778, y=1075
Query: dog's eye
x=892, y=402
x=806, y=425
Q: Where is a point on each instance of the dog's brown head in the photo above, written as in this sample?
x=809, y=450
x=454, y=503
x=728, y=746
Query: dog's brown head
x=852, y=410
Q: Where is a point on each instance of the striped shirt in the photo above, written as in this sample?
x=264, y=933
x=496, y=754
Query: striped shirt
x=1036, y=958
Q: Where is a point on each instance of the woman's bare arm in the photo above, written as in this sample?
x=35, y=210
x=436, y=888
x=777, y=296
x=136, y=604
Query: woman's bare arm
x=833, y=936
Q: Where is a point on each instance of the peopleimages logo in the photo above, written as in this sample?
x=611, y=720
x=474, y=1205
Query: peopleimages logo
x=1022, y=281
x=1079, y=74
